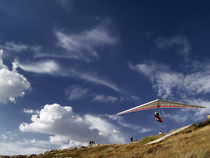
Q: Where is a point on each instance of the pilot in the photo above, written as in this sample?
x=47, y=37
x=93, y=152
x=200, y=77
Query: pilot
x=156, y=114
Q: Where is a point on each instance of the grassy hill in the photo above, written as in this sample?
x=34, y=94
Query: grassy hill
x=193, y=142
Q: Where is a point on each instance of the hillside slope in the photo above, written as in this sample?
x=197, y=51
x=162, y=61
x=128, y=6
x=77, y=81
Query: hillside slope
x=192, y=142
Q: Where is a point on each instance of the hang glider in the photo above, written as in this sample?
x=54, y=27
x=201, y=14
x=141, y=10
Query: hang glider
x=158, y=103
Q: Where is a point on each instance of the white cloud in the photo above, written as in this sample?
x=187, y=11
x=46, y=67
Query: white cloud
x=105, y=128
x=12, y=84
x=76, y=92
x=14, y=143
x=179, y=117
x=178, y=43
x=30, y=111
x=82, y=46
x=63, y=124
x=165, y=80
x=90, y=77
x=23, y=147
x=198, y=82
x=3, y=136
x=105, y=99
x=201, y=113
x=59, y=139
x=195, y=115
x=11, y=47
x=46, y=66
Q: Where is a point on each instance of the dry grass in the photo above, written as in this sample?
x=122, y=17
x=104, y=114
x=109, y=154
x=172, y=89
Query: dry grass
x=193, y=142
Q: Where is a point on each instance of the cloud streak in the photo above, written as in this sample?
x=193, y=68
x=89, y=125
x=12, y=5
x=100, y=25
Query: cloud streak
x=43, y=66
x=97, y=80
x=53, y=68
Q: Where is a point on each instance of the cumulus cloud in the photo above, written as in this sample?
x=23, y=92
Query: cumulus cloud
x=46, y=66
x=65, y=126
x=105, y=99
x=12, y=84
x=83, y=46
x=178, y=43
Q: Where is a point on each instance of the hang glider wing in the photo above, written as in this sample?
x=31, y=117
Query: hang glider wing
x=159, y=104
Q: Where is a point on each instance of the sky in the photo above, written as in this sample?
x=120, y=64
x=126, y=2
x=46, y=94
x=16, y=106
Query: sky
x=68, y=66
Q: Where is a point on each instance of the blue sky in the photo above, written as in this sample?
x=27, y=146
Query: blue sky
x=68, y=66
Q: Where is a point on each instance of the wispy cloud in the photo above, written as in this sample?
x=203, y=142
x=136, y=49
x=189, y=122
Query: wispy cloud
x=84, y=45
x=76, y=92
x=43, y=66
x=202, y=113
x=195, y=115
x=105, y=99
x=11, y=47
x=30, y=111
x=165, y=80
x=177, y=43
x=92, y=77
